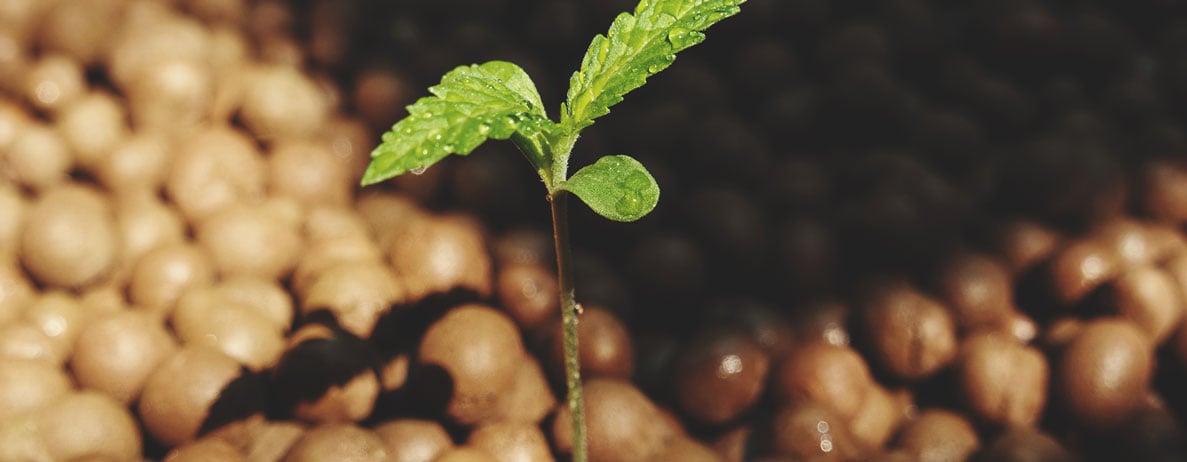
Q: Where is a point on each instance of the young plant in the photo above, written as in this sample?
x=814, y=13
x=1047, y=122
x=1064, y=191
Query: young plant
x=497, y=100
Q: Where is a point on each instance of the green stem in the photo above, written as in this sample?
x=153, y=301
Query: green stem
x=564, y=274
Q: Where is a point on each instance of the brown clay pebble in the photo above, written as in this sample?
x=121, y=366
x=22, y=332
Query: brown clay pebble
x=138, y=163
x=1025, y=244
x=309, y=172
x=263, y=296
x=440, y=254
x=1136, y=242
x=145, y=222
x=213, y=168
x=59, y=316
x=356, y=293
x=478, y=349
x=830, y=375
x=117, y=353
x=511, y=442
x=164, y=273
x=13, y=206
x=910, y=334
x=1002, y=381
x=341, y=442
x=976, y=288
x=280, y=102
x=69, y=238
x=205, y=450
x=177, y=396
x=92, y=126
x=272, y=440
x=465, y=454
x=1164, y=194
x=606, y=347
x=204, y=317
x=719, y=376
x=250, y=240
x=28, y=385
x=880, y=417
x=410, y=440
x=1151, y=298
x=938, y=436
x=528, y=291
x=685, y=449
x=38, y=158
x=1022, y=445
x=1080, y=267
x=171, y=95
x=530, y=399
x=622, y=425
x=89, y=424
x=1103, y=373
x=811, y=431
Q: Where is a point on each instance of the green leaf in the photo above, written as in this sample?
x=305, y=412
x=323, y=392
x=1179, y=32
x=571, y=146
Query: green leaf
x=616, y=187
x=636, y=47
x=471, y=104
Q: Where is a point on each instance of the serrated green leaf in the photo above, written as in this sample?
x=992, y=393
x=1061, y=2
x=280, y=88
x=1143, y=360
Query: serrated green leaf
x=472, y=103
x=616, y=187
x=637, y=47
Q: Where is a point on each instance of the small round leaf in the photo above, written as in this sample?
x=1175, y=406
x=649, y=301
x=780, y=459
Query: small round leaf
x=616, y=187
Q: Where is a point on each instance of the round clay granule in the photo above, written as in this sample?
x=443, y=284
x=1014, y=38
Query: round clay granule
x=465, y=454
x=13, y=209
x=412, y=440
x=811, y=431
x=138, y=163
x=28, y=385
x=165, y=272
x=719, y=375
x=529, y=399
x=69, y=238
x=1137, y=243
x=213, y=168
x=1151, y=298
x=685, y=449
x=307, y=171
x=80, y=30
x=880, y=417
x=1162, y=192
x=1103, y=373
x=528, y=292
x=1080, y=267
x=203, y=317
x=1022, y=445
x=263, y=296
x=938, y=436
x=322, y=255
x=976, y=287
x=24, y=339
x=1001, y=380
x=440, y=254
x=280, y=102
x=154, y=33
x=606, y=346
x=478, y=349
x=341, y=442
x=54, y=81
x=329, y=376
x=59, y=316
x=1024, y=244
x=272, y=440
x=117, y=353
x=92, y=126
x=204, y=450
x=15, y=291
x=511, y=441
x=326, y=221
x=145, y=222
x=388, y=214
x=38, y=158
x=831, y=375
x=177, y=397
x=89, y=424
x=622, y=424
x=171, y=95
x=356, y=293
x=247, y=240
x=910, y=334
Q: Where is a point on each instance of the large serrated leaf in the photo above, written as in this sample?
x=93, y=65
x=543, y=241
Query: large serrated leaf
x=637, y=47
x=493, y=100
x=616, y=187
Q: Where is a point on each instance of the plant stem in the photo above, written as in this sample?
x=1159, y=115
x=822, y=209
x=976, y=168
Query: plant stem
x=564, y=274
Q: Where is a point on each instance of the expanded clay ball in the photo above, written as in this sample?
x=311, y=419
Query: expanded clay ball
x=13, y=207
x=81, y=30
x=342, y=442
x=59, y=316
x=1162, y=191
x=171, y=95
x=116, y=354
x=1024, y=244
x=356, y=293
x=478, y=349
x=177, y=398
x=622, y=424
x=208, y=449
x=28, y=385
x=977, y=288
x=508, y=441
x=811, y=431
x=203, y=317
x=38, y=158
x=1103, y=373
x=164, y=273
x=413, y=440
x=465, y=454
x=309, y=172
x=262, y=296
x=152, y=34
x=1002, y=381
x=138, y=163
x=909, y=333
x=1151, y=298
x=69, y=239
x=25, y=340
x=1080, y=267
x=832, y=375
x=719, y=375
x=439, y=254
x=250, y=239
x=606, y=346
x=1022, y=445
x=937, y=435
x=92, y=125
x=53, y=82
x=529, y=293
x=328, y=376
x=1139, y=243
x=15, y=291
x=213, y=168
x=530, y=397
x=280, y=102
x=145, y=222
x=89, y=424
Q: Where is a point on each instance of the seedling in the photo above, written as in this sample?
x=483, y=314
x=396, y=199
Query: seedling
x=497, y=100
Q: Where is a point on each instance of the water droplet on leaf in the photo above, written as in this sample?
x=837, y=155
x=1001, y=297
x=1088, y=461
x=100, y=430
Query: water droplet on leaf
x=418, y=170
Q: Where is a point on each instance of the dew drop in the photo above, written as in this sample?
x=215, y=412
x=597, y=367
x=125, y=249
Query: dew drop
x=628, y=204
x=678, y=37
x=483, y=129
x=418, y=170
